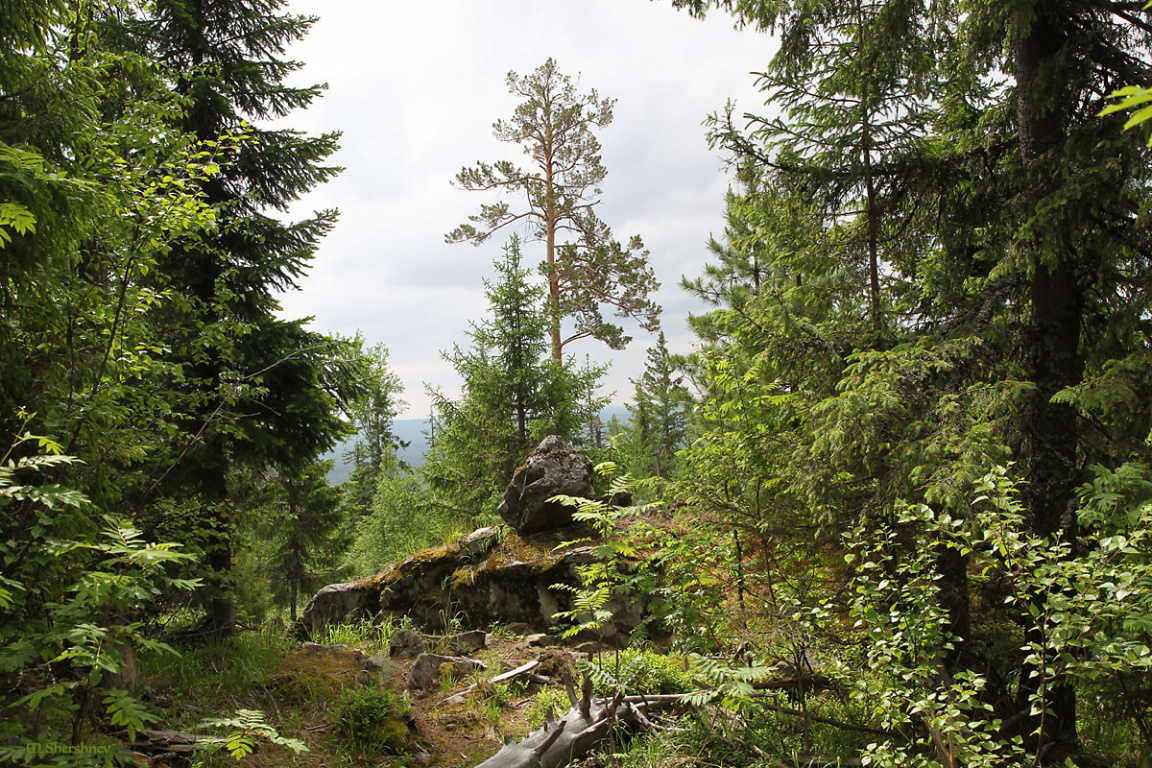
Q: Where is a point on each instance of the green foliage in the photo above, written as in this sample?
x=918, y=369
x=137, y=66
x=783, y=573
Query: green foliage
x=222, y=668
x=369, y=720
x=547, y=703
x=298, y=531
x=928, y=271
x=659, y=423
x=676, y=576
x=87, y=628
x=243, y=732
x=374, y=454
x=513, y=396
x=639, y=671
x=402, y=521
x=615, y=569
x=1091, y=621
x=364, y=634
x=729, y=686
x=127, y=711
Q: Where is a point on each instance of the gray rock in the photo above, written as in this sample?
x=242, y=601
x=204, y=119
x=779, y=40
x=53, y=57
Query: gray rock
x=384, y=667
x=338, y=602
x=405, y=644
x=479, y=542
x=425, y=673
x=552, y=469
x=463, y=643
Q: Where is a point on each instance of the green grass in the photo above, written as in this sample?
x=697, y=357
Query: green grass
x=363, y=635
x=226, y=666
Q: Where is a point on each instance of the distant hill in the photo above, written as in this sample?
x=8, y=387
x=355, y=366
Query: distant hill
x=415, y=433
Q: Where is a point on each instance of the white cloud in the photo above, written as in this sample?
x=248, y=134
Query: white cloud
x=415, y=88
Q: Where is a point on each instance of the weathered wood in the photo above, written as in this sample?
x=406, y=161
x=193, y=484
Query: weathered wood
x=524, y=668
x=524, y=671
x=582, y=729
x=169, y=742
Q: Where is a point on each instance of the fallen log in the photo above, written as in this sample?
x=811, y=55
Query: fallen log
x=165, y=742
x=588, y=723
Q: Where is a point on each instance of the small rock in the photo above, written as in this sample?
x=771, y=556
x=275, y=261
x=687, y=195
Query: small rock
x=426, y=671
x=539, y=640
x=480, y=541
x=464, y=643
x=405, y=644
x=384, y=667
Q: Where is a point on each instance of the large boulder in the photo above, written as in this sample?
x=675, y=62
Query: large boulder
x=553, y=469
x=340, y=602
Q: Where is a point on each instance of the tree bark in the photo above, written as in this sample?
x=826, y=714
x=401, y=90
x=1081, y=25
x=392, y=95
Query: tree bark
x=1053, y=347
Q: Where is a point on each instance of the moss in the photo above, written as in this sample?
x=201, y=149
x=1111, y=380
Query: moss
x=463, y=577
x=318, y=672
x=539, y=552
x=434, y=554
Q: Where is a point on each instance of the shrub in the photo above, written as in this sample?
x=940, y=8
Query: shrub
x=371, y=720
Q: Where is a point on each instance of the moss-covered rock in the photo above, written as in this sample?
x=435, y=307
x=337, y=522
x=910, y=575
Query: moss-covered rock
x=477, y=582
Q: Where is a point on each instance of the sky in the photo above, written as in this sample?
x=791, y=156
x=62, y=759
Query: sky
x=415, y=87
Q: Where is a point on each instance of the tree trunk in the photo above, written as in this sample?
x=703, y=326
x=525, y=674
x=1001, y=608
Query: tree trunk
x=221, y=619
x=1054, y=362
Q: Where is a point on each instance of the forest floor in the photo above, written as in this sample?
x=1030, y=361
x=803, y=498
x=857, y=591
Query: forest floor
x=460, y=723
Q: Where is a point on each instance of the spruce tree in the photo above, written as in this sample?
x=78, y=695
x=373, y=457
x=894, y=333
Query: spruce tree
x=1018, y=202
x=660, y=413
x=513, y=395
x=269, y=389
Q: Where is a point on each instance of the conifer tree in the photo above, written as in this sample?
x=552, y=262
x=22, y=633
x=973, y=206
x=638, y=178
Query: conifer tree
x=660, y=413
x=269, y=389
x=584, y=266
x=375, y=451
x=513, y=395
x=1017, y=200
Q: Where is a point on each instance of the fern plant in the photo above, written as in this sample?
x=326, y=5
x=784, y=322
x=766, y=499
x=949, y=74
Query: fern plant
x=616, y=567
x=242, y=733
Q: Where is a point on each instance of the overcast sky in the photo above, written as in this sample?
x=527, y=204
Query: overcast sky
x=415, y=88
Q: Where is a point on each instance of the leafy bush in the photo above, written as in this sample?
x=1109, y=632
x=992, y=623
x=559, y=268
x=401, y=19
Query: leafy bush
x=639, y=672
x=371, y=720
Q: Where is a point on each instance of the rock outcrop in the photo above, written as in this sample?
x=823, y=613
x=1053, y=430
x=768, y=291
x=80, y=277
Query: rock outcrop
x=465, y=587
x=554, y=468
x=492, y=576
